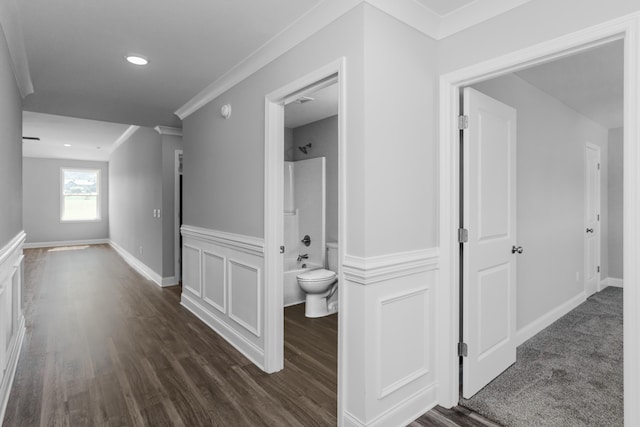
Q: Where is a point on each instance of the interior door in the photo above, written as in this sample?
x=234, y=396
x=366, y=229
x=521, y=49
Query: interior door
x=592, y=219
x=489, y=255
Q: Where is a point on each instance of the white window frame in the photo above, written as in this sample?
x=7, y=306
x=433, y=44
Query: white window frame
x=98, y=196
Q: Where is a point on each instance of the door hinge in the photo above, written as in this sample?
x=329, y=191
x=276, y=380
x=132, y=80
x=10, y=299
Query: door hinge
x=281, y=249
x=598, y=166
x=463, y=235
x=598, y=217
x=462, y=349
x=598, y=269
x=463, y=122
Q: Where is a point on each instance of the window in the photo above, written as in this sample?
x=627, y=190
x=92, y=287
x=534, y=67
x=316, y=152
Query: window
x=80, y=195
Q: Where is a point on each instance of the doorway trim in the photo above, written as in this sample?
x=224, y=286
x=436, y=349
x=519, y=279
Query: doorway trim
x=625, y=28
x=590, y=146
x=274, y=217
x=177, y=250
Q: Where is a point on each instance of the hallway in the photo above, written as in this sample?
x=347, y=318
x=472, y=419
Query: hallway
x=104, y=346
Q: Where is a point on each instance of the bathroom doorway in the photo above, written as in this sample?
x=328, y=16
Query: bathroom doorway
x=304, y=208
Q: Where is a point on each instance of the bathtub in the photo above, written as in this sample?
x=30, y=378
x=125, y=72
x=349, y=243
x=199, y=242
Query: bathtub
x=292, y=293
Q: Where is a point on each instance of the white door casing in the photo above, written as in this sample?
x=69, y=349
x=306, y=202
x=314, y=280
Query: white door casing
x=592, y=219
x=489, y=265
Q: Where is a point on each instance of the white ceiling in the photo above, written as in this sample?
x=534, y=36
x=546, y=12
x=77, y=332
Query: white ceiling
x=444, y=7
x=591, y=83
x=85, y=136
x=76, y=52
x=324, y=104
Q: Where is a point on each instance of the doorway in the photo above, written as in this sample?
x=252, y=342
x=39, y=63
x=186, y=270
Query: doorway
x=177, y=206
x=450, y=85
x=275, y=247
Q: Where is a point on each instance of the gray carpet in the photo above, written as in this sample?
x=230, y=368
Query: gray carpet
x=570, y=374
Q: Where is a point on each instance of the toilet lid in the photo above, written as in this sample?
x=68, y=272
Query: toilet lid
x=317, y=275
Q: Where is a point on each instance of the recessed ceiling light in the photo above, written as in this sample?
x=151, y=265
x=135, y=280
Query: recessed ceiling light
x=137, y=60
x=67, y=145
x=97, y=148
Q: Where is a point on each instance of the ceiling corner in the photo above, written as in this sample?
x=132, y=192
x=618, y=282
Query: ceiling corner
x=474, y=13
x=412, y=13
x=12, y=30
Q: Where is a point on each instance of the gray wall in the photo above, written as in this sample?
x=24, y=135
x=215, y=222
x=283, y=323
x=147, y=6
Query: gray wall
x=224, y=159
x=616, y=156
x=550, y=188
x=170, y=144
x=135, y=190
x=41, y=184
x=324, y=136
x=10, y=149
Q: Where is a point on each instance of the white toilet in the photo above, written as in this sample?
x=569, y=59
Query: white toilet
x=320, y=285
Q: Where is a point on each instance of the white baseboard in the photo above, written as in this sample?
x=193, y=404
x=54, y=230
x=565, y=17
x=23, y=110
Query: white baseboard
x=547, y=319
x=7, y=380
x=402, y=414
x=65, y=243
x=611, y=281
x=244, y=346
x=141, y=267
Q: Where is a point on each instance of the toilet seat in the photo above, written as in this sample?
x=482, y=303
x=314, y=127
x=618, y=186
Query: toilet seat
x=318, y=275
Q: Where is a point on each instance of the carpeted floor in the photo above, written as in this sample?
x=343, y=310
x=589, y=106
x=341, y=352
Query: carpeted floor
x=568, y=375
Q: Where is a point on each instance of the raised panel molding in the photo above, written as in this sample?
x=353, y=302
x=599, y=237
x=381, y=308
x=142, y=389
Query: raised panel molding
x=192, y=275
x=223, y=286
x=12, y=326
x=257, y=294
x=209, y=280
x=390, y=319
x=366, y=271
x=247, y=244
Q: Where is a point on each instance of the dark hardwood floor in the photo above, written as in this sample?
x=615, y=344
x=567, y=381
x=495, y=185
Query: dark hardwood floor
x=105, y=346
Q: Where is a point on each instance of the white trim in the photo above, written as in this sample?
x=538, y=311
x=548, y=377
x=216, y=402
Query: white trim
x=412, y=13
x=239, y=242
x=255, y=330
x=177, y=251
x=244, y=346
x=308, y=24
x=12, y=245
x=366, y=271
x=168, y=130
x=122, y=138
x=384, y=391
x=146, y=271
x=585, y=179
x=11, y=26
x=447, y=304
x=407, y=410
x=611, y=281
x=169, y=281
x=544, y=321
x=6, y=382
x=66, y=243
x=98, y=195
x=221, y=308
x=186, y=285
x=274, y=233
x=473, y=14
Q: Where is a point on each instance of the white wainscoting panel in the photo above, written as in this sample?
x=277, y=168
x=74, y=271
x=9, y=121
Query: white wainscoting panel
x=12, y=325
x=192, y=269
x=222, y=285
x=390, y=324
x=214, y=277
x=245, y=296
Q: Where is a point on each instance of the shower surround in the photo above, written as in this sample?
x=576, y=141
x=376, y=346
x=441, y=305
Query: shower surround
x=304, y=214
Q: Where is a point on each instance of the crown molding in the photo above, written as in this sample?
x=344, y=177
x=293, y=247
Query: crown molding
x=410, y=12
x=12, y=29
x=473, y=14
x=308, y=24
x=168, y=130
x=125, y=135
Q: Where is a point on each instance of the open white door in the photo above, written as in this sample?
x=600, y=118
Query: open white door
x=489, y=255
x=592, y=219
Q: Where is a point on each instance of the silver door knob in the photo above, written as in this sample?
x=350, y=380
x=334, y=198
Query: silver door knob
x=517, y=249
x=589, y=230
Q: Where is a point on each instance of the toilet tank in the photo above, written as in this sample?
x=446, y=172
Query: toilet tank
x=332, y=256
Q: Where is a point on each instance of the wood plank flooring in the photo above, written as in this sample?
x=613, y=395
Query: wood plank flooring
x=105, y=347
